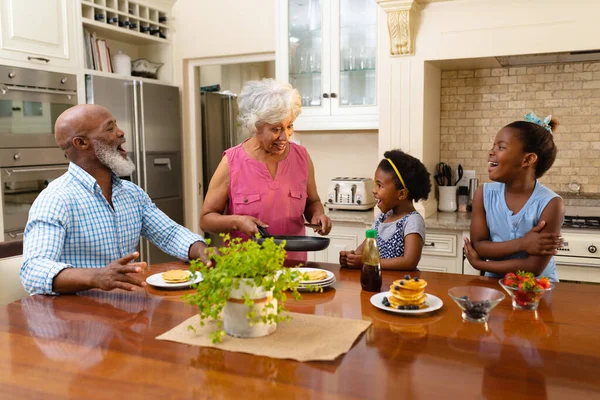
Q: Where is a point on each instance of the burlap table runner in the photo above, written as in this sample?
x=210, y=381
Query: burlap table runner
x=304, y=338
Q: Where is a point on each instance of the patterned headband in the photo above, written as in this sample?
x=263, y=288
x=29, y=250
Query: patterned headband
x=545, y=123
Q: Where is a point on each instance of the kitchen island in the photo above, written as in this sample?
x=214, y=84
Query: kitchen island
x=101, y=345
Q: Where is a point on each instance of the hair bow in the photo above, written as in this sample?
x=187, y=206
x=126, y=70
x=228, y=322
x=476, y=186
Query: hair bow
x=545, y=123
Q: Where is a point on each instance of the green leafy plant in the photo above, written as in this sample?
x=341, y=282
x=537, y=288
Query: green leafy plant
x=259, y=265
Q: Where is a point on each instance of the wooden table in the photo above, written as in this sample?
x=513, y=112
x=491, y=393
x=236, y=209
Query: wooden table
x=100, y=345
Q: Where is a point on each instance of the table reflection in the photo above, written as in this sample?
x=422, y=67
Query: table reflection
x=65, y=335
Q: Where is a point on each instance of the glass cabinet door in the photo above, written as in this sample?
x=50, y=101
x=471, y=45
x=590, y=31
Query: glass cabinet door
x=357, y=83
x=305, y=50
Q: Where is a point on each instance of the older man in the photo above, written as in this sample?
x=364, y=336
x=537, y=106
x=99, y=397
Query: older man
x=83, y=229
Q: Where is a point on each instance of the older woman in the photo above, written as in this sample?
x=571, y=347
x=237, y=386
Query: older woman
x=266, y=180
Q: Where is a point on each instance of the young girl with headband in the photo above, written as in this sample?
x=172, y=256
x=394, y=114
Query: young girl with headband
x=400, y=179
x=516, y=220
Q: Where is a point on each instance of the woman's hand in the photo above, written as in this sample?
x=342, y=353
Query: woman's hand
x=247, y=225
x=472, y=255
x=324, y=221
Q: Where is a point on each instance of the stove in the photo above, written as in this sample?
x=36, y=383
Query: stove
x=579, y=258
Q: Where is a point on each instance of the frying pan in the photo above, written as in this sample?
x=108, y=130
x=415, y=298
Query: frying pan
x=295, y=243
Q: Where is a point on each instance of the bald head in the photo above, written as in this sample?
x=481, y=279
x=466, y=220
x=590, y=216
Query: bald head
x=78, y=121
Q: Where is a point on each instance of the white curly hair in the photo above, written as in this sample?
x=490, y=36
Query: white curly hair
x=267, y=101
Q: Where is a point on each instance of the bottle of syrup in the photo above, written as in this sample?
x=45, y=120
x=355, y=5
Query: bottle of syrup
x=370, y=276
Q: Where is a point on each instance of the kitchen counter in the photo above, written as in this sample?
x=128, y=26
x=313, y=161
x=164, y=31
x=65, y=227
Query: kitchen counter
x=449, y=220
x=364, y=217
x=106, y=340
x=441, y=220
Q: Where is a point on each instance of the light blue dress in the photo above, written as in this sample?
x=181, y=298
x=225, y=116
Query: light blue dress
x=504, y=225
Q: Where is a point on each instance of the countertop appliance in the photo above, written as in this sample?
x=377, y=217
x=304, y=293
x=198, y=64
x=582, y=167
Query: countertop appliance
x=351, y=193
x=579, y=258
x=30, y=102
x=149, y=114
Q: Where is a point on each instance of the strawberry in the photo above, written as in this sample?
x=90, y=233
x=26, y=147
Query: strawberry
x=544, y=282
x=510, y=275
x=510, y=281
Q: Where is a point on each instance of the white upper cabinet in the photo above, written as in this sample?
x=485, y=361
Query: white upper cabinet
x=37, y=31
x=327, y=50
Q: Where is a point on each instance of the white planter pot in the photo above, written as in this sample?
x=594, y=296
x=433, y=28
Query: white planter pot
x=235, y=322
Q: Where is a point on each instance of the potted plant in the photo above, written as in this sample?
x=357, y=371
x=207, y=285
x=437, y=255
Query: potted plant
x=245, y=290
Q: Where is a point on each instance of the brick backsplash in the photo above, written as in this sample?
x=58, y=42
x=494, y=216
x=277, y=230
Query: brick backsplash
x=477, y=103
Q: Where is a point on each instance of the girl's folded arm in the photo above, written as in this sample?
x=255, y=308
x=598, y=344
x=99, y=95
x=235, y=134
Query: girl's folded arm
x=553, y=215
x=480, y=234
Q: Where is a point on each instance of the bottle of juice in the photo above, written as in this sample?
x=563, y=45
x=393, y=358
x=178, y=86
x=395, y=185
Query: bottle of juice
x=370, y=276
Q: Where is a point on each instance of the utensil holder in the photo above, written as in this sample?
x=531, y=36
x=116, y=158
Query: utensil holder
x=447, y=200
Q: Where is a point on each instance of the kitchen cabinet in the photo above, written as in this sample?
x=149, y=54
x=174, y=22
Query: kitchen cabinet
x=10, y=283
x=344, y=236
x=38, y=32
x=442, y=252
x=467, y=268
x=327, y=50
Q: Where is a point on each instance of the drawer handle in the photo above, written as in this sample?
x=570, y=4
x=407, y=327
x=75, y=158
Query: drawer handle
x=38, y=58
x=432, y=244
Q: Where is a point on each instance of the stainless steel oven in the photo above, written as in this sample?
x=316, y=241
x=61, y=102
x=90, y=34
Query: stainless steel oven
x=24, y=173
x=30, y=102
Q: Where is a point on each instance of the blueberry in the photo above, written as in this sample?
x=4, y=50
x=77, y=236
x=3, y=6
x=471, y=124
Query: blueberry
x=413, y=307
x=402, y=283
x=464, y=297
x=397, y=287
x=401, y=308
x=407, y=276
x=416, y=279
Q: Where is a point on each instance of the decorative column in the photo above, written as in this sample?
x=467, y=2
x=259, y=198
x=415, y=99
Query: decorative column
x=401, y=15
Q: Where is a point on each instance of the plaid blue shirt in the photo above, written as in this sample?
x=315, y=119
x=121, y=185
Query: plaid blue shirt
x=72, y=225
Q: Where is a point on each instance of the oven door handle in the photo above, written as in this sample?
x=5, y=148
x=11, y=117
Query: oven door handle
x=7, y=88
x=9, y=172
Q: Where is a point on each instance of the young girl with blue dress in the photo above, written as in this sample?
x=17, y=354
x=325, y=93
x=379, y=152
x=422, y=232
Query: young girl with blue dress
x=516, y=220
x=400, y=180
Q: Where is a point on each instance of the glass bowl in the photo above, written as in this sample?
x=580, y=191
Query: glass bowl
x=525, y=299
x=476, y=302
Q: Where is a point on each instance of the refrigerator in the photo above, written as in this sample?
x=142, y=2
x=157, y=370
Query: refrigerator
x=149, y=115
x=220, y=130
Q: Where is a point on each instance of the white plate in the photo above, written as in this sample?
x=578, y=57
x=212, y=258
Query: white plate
x=304, y=288
x=303, y=270
x=156, y=280
x=434, y=303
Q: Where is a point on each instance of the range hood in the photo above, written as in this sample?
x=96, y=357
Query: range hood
x=549, y=58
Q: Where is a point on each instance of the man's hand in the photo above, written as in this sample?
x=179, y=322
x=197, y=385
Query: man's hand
x=200, y=250
x=247, y=225
x=541, y=244
x=116, y=275
x=472, y=255
x=324, y=221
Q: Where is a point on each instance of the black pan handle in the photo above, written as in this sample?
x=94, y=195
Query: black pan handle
x=263, y=231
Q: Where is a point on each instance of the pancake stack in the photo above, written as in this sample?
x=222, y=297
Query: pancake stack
x=317, y=275
x=176, y=276
x=408, y=294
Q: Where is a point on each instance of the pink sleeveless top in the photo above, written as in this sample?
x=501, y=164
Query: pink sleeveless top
x=278, y=202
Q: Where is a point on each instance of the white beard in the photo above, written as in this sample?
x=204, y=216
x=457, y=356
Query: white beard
x=111, y=158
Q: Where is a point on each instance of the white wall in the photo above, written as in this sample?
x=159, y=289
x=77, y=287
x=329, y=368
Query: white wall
x=340, y=154
x=209, y=28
